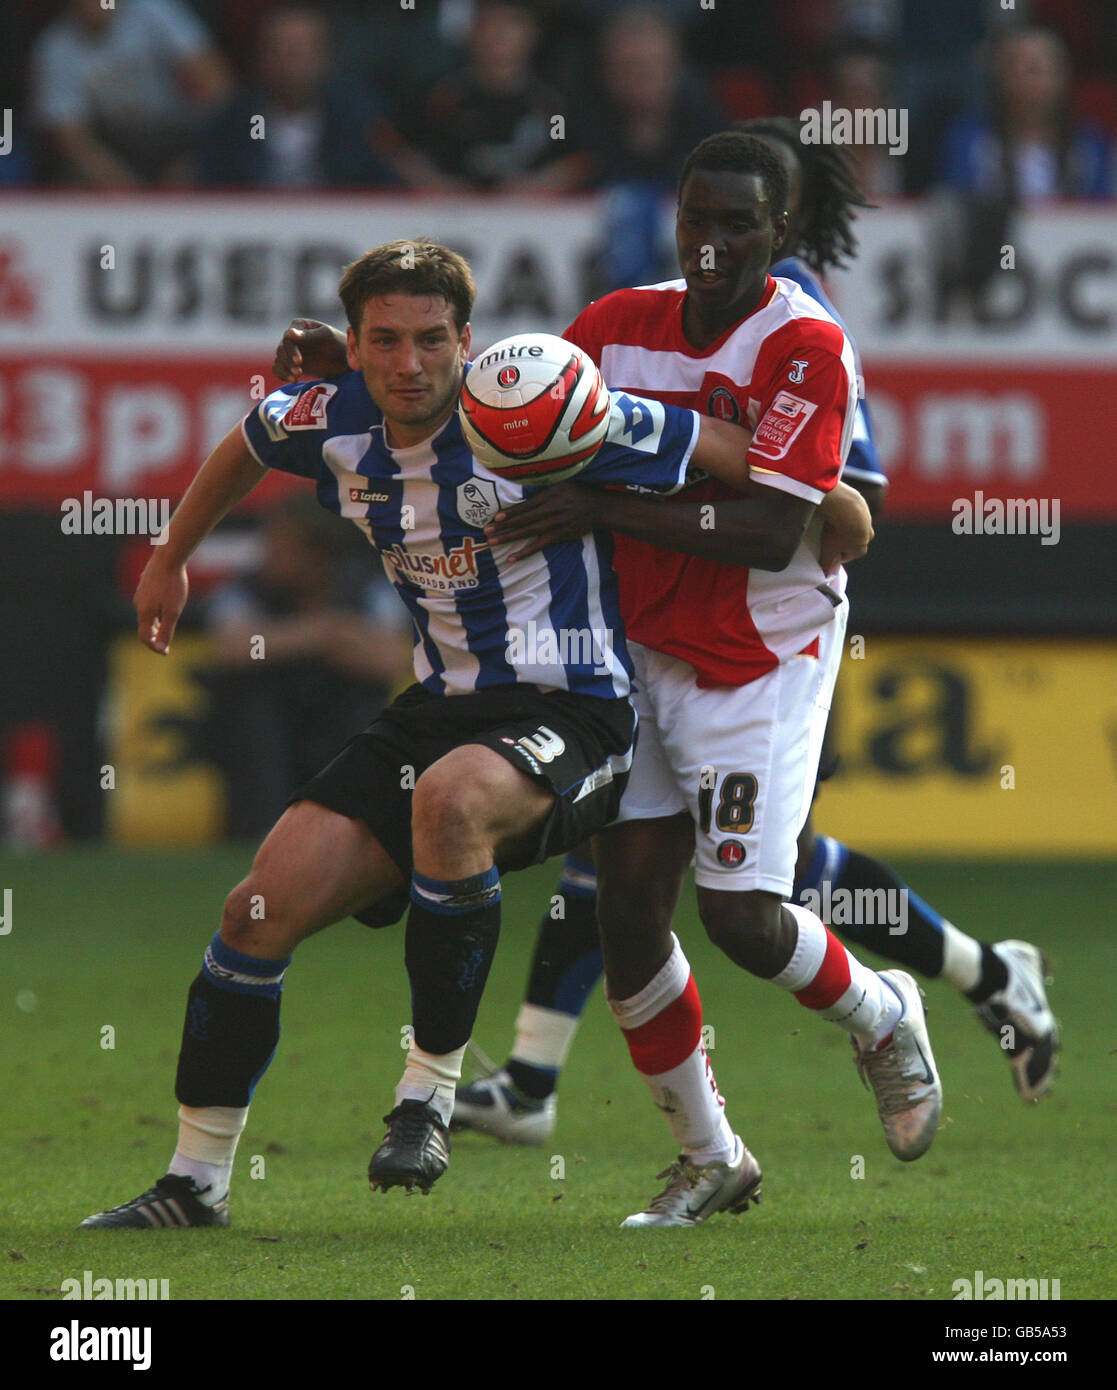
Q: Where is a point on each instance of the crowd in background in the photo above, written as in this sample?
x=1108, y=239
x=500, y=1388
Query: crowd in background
x=1007, y=106
x=561, y=95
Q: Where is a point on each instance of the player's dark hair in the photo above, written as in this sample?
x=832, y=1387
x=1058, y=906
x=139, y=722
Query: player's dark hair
x=408, y=267
x=830, y=193
x=733, y=152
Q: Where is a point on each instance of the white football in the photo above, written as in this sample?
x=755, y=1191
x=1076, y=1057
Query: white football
x=534, y=408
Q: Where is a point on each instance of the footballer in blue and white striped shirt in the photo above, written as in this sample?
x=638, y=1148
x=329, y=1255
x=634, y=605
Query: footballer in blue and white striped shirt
x=513, y=745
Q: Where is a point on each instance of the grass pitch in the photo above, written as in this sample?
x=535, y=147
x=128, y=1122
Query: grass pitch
x=104, y=940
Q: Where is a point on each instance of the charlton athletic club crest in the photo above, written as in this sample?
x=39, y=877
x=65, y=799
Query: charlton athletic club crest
x=722, y=405
x=731, y=854
x=477, y=500
x=508, y=376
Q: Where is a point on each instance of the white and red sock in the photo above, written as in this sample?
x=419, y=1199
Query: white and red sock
x=827, y=979
x=662, y=1026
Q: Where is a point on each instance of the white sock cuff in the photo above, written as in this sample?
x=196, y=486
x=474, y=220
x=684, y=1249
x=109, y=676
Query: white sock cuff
x=432, y=1078
x=961, y=958
x=663, y=989
x=431, y=1070
x=543, y=1036
x=209, y=1134
x=809, y=953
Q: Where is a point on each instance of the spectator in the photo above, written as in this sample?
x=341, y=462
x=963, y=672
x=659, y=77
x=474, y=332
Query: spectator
x=118, y=94
x=494, y=126
x=307, y=650
x=860, y=81
x=652, y=115
x=1029, y=148
x=654, y=112
x=296, y=126
x=937, y=73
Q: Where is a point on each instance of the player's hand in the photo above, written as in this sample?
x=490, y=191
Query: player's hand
x=562, y=512
x=837, y=549
x=841, y=547
x=848, y=529
x=309, y=348
x=159, y=600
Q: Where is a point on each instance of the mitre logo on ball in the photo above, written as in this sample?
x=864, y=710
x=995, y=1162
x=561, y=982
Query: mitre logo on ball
x=534, y=408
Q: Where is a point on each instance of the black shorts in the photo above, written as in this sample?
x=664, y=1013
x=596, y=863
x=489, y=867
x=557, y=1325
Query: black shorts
x=580, y=746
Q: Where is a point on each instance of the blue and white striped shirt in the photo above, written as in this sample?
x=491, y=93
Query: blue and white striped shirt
x=551, y=620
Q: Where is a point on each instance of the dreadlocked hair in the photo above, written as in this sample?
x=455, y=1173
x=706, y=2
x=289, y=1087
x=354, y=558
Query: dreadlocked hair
x=830, y=193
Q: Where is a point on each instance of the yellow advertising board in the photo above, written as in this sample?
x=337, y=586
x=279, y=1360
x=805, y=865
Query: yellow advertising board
x=957, y=746
x=975, y=746
x=163, y=792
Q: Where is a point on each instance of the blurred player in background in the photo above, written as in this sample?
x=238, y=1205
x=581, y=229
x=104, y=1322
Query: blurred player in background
x=308, y=629
x=443, y=791
x=1005, y=981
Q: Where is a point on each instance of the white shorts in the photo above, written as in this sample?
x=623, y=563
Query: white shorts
x=741, y=759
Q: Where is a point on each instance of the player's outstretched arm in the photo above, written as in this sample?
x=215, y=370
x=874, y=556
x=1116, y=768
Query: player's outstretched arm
x=310, y=348
x=760, y=531
x=722, y=452
x=229, y=474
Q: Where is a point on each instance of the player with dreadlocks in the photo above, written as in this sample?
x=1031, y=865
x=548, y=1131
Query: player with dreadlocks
x=1005, y=981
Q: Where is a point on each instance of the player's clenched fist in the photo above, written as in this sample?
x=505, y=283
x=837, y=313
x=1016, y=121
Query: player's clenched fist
x=309, y=348
x=159, y=600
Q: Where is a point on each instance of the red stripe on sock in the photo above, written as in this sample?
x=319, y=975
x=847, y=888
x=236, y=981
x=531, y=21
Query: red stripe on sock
x=667, y=1040
x=832, y=979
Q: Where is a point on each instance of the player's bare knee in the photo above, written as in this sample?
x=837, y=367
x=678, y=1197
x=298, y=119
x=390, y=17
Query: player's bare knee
x=632, y=905
x=237, y=923
x=448, y=809
x=748, y=928
x=251, y=925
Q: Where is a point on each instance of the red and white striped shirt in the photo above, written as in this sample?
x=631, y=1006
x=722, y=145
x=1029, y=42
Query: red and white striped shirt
x=787, y=371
